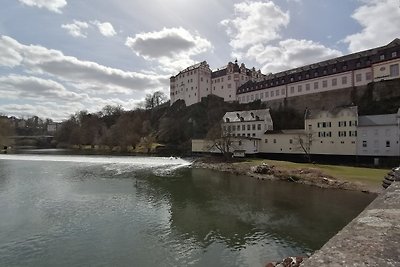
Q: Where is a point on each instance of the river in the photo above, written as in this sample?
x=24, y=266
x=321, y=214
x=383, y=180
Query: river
x=71, y=210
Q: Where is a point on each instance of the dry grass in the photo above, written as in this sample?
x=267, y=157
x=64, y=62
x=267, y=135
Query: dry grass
x=369, y=176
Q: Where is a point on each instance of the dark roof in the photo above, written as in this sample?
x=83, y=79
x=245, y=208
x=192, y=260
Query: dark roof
x=290, y=131
x=224, y=70
x=345, y=63
x=219, y=73
x=313, y=114
x=378, y=120
x=195, y=66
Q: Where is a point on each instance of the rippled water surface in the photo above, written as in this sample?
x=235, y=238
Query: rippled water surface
x=60, y=210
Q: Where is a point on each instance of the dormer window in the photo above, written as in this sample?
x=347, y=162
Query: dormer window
x=382, y=57
x=334, y=69
x=252, y=114
x=345, y=67
x=315, y=74
x=227, y=120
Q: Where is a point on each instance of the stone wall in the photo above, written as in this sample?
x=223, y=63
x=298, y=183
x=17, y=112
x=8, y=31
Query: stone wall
x=371, y=239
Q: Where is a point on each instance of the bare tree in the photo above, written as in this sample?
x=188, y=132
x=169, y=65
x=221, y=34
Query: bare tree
x=303, y=142
x=220, y=138
x=155, y=99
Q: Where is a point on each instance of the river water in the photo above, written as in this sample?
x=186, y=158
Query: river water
x=58, y=210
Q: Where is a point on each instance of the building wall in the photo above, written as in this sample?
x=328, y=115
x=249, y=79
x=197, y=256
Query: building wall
x=250, y=146
x=378, y=141
x=254, y=126
x=333, y=134
x=226, y=86
x=285, y=143
x=312, y=86
x=190, y=85
x=382, y=71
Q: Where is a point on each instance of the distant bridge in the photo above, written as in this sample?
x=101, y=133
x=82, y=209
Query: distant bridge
x=32, y=140
x=15, y=137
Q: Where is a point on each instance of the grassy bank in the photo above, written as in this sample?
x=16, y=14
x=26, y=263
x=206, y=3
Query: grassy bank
x=369, y=176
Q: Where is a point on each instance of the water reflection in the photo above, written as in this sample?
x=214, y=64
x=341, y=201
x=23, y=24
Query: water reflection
x=241, y=211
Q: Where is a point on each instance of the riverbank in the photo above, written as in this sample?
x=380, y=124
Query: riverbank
x=324, y=176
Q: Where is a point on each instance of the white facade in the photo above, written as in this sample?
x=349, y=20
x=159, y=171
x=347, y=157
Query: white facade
x=238, y=146
x=285, y=141
x=334, y=131
x=326, y=132
x=379, y=135
x=358, y=69
x=250, y=123
x=191, y=84
x=199, y=81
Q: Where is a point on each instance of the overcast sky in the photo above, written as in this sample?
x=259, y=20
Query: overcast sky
x=61, y=56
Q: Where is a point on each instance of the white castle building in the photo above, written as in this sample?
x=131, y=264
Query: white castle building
x=237, y=83
x=197, y=81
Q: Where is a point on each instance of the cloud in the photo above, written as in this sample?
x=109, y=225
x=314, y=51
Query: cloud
x=290, y=53
x=52, y=5
x=255, y=22
x=9, y=57
x=256, y=34
x=39, y=60
x=77, y=28
x=105, y=28
x=19, y=86
x=171, y=47
x=378, y=19
x=69, y=83
x=55, y=111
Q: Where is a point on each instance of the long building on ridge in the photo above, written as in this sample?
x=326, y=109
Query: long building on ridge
x=235, y=82
x=357, y=69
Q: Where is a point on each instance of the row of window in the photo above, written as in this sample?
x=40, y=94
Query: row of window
x=218, y=80
x=233, y=128
x=187, y=74
x=316, y=84
x=325, y=72
x=340, y=124
x=365, y=143
x=243, y=134
x=291, y=142
x=261, y=95
x=340, y=134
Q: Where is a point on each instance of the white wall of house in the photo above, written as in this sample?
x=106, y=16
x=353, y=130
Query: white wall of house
x=333, y=132
x=250, y=123
x=249, y=145
x=287, y=142
x=380, y=140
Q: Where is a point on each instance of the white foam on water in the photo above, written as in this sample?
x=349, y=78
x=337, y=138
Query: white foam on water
x=119, y=164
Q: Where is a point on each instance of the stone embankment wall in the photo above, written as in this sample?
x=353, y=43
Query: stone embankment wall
x=361, y=96
x=371, y=239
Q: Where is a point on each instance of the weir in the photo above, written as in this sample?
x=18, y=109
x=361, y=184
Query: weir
x=371, y=239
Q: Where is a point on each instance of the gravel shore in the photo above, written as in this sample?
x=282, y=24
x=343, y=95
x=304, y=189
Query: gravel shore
x=307, y=176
